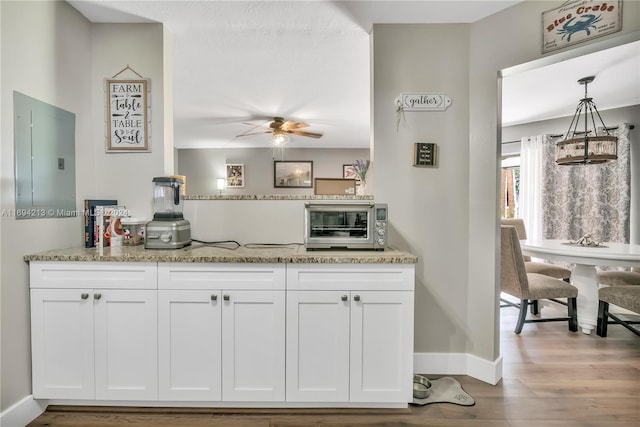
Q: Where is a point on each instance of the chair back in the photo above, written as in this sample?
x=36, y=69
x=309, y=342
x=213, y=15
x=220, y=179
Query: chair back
x=513, y=276
x=518, y=223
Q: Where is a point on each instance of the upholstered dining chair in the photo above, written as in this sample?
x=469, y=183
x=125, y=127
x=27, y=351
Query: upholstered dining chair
x=515, y=281
x=545, y=268
x=627, y=297
x=619, y=278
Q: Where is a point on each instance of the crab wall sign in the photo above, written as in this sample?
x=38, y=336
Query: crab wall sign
x=578, y=21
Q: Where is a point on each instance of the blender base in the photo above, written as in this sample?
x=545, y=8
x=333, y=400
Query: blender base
x=173, y=234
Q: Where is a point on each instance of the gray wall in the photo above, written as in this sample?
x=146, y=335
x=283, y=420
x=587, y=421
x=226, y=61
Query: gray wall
x=429, y=205
x=499, y=41
x=202, y=166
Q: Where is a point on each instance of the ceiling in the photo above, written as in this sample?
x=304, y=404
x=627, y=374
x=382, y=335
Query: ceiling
x=248, y=61
x=553, y=90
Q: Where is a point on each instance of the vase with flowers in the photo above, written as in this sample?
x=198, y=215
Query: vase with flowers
x=361, y=167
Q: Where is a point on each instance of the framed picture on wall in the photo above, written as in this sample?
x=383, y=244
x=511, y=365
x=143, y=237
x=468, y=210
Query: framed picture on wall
x=292, y=174
x=235, y=175
x=127, y=115
x=349, y=172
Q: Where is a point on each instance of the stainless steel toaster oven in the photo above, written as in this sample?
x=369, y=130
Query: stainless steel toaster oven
x=348, y=225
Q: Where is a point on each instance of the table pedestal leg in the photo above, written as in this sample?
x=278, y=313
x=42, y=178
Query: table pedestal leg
x=585, y=279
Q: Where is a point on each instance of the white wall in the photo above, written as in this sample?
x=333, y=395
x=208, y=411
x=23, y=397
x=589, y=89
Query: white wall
x=52, y=53
x=202, y=166
x=127, y=177
x=46, y=55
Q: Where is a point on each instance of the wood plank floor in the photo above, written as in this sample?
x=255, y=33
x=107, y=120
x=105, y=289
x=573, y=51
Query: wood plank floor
x=551, y=377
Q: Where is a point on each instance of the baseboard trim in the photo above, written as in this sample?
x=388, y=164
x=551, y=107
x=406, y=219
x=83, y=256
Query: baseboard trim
x=23, y=412
x=458, y=364
x=28, y=409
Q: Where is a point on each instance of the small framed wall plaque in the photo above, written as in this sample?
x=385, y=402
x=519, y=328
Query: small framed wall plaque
x=424, y=154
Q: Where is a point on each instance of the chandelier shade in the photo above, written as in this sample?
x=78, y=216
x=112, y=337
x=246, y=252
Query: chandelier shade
x=586, y=146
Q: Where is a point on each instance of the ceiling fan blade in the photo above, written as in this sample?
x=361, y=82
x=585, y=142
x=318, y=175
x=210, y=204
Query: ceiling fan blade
x=294, y=125
x=262, y=125
x=305, y=133
x=253, y=133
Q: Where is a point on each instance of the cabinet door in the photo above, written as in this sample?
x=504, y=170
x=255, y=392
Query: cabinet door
x=62, y=344
x=318, y=346
x=381, y=346
x=126, y=344
x=189, y=355
x=253, y=346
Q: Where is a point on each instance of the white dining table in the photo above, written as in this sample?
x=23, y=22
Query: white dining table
x=584, y=275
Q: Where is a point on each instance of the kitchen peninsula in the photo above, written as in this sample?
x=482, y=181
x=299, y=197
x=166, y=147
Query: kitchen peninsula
x=209, y=326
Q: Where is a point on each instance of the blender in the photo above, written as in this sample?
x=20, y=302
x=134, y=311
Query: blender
x=169, y=229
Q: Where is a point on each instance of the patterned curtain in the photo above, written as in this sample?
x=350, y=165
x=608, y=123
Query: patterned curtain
x=594, y=199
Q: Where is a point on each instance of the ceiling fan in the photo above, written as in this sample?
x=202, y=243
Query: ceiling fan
x=281, y=128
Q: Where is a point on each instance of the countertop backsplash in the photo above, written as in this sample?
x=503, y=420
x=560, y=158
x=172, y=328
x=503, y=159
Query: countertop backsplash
x=252, y=219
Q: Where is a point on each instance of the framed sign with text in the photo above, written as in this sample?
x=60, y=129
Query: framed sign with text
x=424, y=154
x=127, y=115
x=578, y=21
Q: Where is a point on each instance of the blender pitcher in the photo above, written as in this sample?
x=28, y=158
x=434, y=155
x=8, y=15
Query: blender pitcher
x=167, y=198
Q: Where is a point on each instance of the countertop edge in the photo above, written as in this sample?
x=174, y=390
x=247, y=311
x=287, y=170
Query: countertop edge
x=346, y=197
x=360, y=257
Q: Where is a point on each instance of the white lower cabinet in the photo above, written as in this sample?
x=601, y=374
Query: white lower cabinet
x=126, y=345
x=214, y=332
x=189, y=337
x=94, y=344
x=94, y=330
x=222, y=332
x=253, y=346
x=62, y=344
x=349, y=333
x=381, y=359
x=318, y=346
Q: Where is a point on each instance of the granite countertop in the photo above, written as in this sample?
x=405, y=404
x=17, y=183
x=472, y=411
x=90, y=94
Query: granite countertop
x=354, y=197
x=198, y=252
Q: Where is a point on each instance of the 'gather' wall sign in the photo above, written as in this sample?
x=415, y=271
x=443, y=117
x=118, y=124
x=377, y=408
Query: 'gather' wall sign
x=422, y=102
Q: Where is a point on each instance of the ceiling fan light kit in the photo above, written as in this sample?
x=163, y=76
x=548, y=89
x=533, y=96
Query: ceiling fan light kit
x=586, y=147
x=280, y=138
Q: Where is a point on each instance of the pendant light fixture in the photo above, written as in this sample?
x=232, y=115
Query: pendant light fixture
x=581, y=147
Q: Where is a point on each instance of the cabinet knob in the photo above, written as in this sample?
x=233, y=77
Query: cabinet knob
x=84, y=295
x=226, y=297
x=343, y=298
x=97, y=296
x=214, y=297
x=356, y=297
